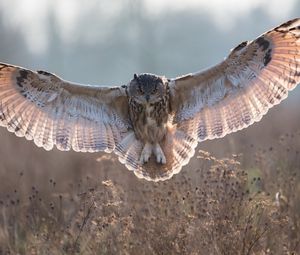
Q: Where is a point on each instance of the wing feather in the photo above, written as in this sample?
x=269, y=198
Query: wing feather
x=44, y=108
x=237, y=92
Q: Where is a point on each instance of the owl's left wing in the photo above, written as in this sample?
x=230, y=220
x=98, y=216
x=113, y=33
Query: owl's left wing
x=240, y=90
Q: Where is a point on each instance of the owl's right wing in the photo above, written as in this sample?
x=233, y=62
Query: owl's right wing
x=44, y=108
x=237, y=92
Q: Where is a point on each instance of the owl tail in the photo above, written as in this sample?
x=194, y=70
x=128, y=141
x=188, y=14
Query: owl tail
x=177, y=146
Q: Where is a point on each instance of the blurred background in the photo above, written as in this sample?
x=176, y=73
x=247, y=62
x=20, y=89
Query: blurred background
x=105, y=42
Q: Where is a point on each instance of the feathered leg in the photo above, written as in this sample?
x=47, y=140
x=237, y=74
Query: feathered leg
x=160, y=156
x=146, y=153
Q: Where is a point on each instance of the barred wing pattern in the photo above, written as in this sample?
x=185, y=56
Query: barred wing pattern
x=44, y=108
x=205, y=105
x=177, y=146
x=237, y=92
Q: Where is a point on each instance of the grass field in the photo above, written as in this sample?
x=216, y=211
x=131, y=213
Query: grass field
x=223, y=202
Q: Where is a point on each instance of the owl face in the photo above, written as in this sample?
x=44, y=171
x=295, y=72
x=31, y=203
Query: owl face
x=147, y=88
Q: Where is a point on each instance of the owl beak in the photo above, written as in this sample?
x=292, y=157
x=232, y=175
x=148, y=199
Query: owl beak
x=147, y=97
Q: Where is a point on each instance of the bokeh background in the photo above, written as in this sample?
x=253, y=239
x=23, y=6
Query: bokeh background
x=106, y=42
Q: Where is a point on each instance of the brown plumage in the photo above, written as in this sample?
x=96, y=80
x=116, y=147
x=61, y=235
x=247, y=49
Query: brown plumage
x=154, y=124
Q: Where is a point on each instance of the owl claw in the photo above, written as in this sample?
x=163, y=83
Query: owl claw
x=146, y=153
x=160, y=156
x=161, y=159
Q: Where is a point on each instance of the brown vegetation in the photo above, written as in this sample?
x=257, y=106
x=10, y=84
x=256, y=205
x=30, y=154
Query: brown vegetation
x=69, y=203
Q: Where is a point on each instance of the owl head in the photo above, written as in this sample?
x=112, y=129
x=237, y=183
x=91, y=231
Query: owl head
x=147, y=88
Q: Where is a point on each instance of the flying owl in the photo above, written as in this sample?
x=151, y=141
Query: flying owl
x=153, y=124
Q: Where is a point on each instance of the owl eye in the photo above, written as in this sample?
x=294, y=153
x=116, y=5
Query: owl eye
x=140, y=89
x=155, y=89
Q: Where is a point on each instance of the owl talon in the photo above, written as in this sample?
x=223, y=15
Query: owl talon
x=160, y=156
x=161, y=159
x=146, y=153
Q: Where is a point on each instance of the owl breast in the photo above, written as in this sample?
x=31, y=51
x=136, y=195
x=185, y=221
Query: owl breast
x=149, y=120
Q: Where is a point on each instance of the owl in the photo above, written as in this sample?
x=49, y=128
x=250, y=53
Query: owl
x=153, y=124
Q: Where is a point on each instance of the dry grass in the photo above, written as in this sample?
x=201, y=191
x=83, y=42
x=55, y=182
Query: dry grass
x=56, y=203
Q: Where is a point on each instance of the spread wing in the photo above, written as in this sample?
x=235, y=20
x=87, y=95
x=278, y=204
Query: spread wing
x=237, y=92
x=44, y=108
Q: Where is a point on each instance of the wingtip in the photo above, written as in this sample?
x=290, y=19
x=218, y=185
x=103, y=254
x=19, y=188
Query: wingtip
x=289, y=25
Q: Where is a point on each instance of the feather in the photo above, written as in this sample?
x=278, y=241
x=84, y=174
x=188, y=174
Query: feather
x=44, y=108
x=237, y=92
x=192, y=108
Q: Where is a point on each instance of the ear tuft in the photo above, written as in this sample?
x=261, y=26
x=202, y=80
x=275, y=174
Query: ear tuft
x=135, y=76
